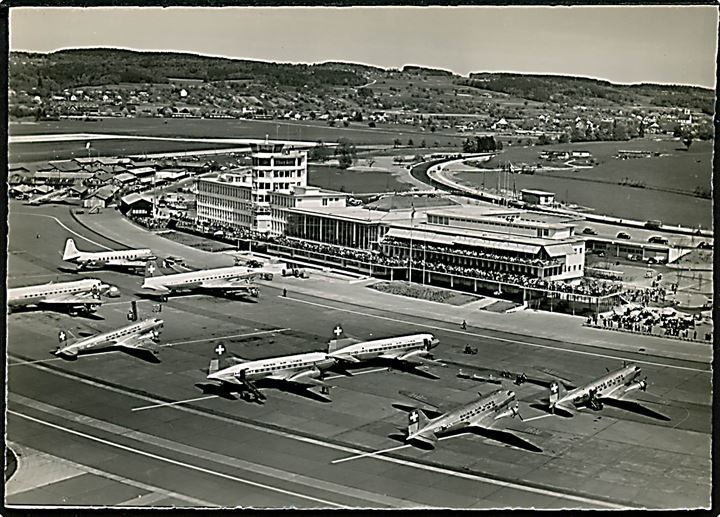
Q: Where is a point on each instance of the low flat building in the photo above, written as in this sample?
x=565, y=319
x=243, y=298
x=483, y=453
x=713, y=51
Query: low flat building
x=538, y=197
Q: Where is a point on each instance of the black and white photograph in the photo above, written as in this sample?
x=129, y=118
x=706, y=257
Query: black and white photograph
x=352, y=257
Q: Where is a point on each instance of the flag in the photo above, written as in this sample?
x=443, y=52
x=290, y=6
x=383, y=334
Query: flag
x=87, y=145
x=412, y=212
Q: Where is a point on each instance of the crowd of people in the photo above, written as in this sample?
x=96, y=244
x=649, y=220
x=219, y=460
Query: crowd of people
x=476, y=254
x=587, y=286
x=649, y=320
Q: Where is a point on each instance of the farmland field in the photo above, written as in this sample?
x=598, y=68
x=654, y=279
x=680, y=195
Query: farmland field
x=670, y=180
x=67, y=150
x=358, y=133
x=353, y=181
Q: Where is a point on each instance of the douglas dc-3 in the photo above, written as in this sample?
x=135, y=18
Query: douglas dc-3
x=427, y=425
x=610, y=389
x=140, y=336
x=132, y=258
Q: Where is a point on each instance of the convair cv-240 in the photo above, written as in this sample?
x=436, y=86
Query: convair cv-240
x=132, y=258
x=76, y=296
x=302, y=369
x=226, y=280
x=140, y=336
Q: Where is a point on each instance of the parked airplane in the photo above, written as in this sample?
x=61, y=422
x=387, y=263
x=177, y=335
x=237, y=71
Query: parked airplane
x=409, y=351
x=426, y=426
x=79, y=296
x=225, y=280
x=610, y=389
x=136, y=336
x=133, y=258
x=301, y=369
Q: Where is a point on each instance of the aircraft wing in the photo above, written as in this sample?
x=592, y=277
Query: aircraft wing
x=428, y=438
x=139, y=342
x=227, y=285
x=633, y=407
x=127, y=263
x=74, y=299
x=428, y=405
x=309, y=376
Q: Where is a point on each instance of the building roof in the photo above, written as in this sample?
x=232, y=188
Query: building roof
x=141, y=171
x=66, y=166
x=125, y=177
x=536, y=192
x=395, y=202
x=105, y=192
x=134, y=198
x=354, y=213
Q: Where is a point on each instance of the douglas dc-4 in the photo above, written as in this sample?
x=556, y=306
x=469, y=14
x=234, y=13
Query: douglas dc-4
x=404, y=351
x=303, y=370
x=140, y=336
x=133, y=258
x=427, y=426
x=79, y=296
x=226, y=280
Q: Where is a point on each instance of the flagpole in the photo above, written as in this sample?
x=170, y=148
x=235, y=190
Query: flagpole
x=412, y=218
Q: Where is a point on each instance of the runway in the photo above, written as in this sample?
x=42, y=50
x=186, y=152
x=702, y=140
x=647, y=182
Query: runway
x=150, y=432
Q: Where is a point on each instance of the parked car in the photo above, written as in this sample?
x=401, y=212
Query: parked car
x=654, y=224
x=589, y=231
x=623, y=235
x=656, y=239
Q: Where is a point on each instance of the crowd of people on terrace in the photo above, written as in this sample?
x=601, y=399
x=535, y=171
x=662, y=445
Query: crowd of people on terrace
x=588, y=287
x=475, y=254
x=650, y=320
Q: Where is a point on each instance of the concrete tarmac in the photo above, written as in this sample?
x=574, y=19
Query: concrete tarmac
x=150, y=432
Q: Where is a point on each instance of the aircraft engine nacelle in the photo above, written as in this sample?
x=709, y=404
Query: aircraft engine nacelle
x=113, y=292
x=155, y=335
x=638, y=385
x=254, y=292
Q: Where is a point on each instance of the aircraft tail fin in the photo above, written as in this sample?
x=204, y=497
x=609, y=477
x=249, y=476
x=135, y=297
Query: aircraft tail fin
x=71, y=250
x=153, y=269
x=416, y=419
x=338, y=340
x=557, y=391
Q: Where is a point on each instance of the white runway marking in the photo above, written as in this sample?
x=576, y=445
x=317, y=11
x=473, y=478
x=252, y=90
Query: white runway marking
x=20, y=363
x=68, y=229
x=383, y=451
x=535, y=418
x=353, y=374
x=179, y=463
x=164, y=404
x=350, y=450
x=514, y=341
x=204, y=340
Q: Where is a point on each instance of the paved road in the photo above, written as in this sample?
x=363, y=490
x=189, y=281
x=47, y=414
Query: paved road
x=123, y=426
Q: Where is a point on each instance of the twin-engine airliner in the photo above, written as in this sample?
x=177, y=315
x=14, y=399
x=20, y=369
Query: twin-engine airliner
x=141, y=336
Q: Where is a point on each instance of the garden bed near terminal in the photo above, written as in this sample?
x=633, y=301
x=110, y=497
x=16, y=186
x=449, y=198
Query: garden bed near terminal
x=196, y=242
x=424, y=292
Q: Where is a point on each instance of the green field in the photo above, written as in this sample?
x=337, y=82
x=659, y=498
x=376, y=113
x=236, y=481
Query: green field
x=358, y=133
x=46, y=151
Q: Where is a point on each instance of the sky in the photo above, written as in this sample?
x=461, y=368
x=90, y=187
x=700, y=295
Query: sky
x=621, y=44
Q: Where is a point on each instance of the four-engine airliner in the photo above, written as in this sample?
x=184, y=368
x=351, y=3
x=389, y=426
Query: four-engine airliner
x=78, y=296
x=225, y=280
x=132, y=258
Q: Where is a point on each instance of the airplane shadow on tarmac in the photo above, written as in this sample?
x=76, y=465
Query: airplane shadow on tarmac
x=389, y=364
x=498, y=435
x=145, y=355
x=62, y=310
x=229, y=392
x=630, y=406
x=226, y=296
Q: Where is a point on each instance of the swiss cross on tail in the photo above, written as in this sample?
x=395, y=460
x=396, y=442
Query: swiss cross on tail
x=553, y=388
x=337, y=331
x=62, y=336
x=220, y=350
x=413, y=417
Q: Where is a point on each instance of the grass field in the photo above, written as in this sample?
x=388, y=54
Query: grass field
x=424, y=292
x=677, y=170
x=45, y=151
x=358, y=182
x=358, y=133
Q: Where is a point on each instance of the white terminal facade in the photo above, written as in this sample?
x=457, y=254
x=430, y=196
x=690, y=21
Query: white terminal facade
x=273, y=197
x=258, y=198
